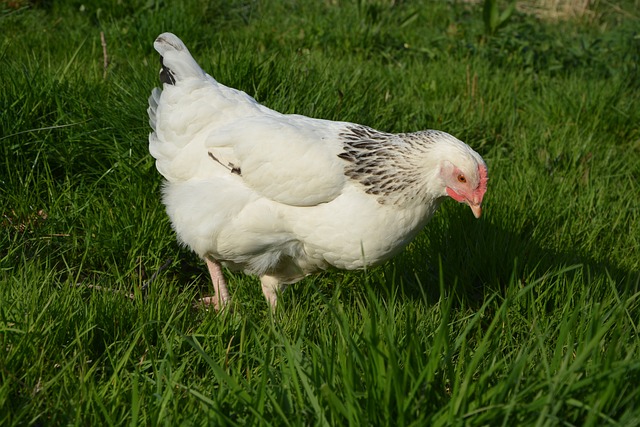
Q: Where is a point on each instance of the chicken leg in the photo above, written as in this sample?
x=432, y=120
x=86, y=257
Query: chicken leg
x=220, y=297
x=270, y=288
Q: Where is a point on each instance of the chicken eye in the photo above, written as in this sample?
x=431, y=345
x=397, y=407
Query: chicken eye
x=462, y=179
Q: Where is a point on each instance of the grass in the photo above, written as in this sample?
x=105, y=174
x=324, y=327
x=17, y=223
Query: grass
x=528, y=316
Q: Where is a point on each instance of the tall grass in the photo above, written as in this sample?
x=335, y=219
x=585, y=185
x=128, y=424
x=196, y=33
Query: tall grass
x=528, y=316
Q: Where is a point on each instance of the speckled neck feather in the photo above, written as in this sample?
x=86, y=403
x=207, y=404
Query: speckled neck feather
x=387, y=164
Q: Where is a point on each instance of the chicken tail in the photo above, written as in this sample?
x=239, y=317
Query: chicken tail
x=177, y=63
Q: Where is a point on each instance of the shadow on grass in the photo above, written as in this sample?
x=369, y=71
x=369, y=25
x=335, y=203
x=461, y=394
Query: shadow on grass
x=477, y=258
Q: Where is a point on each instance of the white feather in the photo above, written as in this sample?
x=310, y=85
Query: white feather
x=286, y=195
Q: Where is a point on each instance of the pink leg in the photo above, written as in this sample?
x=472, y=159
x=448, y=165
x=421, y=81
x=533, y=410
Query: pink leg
x=220, y=296
x=270, y=288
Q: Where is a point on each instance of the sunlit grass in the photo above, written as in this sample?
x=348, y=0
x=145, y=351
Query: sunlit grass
x=528, y=316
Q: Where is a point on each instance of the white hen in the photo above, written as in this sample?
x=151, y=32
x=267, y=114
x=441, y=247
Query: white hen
x=283, y=196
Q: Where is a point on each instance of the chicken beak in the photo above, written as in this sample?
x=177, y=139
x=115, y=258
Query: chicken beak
x=476, y=209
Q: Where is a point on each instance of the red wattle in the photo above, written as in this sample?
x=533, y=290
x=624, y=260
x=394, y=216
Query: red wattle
x=455, y=196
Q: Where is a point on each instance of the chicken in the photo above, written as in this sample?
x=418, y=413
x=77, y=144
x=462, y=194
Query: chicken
x=282, y=196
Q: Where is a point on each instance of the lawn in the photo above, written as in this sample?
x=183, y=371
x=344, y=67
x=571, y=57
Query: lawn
x=527, y=316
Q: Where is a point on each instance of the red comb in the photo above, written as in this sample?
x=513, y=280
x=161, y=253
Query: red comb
x=482, y=185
